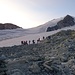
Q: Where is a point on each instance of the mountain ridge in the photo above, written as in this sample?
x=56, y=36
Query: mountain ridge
x=52, y=25
x=8, y=26
x=66, y=22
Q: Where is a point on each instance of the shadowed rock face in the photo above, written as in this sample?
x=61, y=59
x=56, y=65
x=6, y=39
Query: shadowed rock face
x=67, y=21
x=8, y=26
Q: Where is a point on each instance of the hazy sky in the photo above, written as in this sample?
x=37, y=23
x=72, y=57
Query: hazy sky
x=31, y=13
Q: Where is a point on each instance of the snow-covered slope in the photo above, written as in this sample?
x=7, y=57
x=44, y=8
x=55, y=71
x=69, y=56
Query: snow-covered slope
x=8, y=34
x=43, y=27
x=17, y=41
x=15, y=36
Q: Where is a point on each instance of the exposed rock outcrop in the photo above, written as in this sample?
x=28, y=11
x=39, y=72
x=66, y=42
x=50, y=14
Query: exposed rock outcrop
x=8, y=26
x=66, y=22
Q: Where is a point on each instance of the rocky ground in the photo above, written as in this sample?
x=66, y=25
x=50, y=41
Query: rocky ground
x=55, y=55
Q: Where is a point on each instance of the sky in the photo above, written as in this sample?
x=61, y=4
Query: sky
x=32, y=13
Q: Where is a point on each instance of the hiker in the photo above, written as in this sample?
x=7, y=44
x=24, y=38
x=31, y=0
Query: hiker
x=26, y=43
x=49, y=37
x=33, y=41
x=29, y=41
x=38, y=41
x=22, y=42
x=43, y=37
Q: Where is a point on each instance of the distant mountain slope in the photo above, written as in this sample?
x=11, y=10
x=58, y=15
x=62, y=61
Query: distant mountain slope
x=11, y=33
x=66, y=22
x=8, y=26
x=55, y=25
x=19, y=32
x=43, y=27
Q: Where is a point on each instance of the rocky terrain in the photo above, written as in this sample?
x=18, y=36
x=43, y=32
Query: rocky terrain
x=8, y=26
x=54, y=55
x=66, y=22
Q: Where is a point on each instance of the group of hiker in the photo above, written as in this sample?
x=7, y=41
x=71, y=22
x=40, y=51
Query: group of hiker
x=24, y=42
x=29, y=42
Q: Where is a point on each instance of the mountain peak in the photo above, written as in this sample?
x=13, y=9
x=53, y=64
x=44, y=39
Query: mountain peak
x=66, y=22
x=68, y=18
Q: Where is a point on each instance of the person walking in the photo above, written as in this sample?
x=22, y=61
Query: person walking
x=33, y=41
